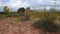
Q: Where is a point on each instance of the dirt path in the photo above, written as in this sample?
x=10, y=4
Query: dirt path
x=13, y=26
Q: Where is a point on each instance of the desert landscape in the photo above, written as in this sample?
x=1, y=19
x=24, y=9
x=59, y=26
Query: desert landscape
x=12, y=26
x=29, y=16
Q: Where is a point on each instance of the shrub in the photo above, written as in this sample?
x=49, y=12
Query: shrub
x=24, y=18
x=24, y=15
x=15, y=14
x=8, y=15
x=6, y=10
x=27, y=17
x=58, y=18
x=36, y=14
x=47, y=23
x=2, y=16
x=21, y=11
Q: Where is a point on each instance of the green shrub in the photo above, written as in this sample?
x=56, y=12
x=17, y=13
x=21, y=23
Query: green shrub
x=46, y=25
x=27, y=17
x=15, y=14
x=21, y=11
x=2, y=16
x=8, y=15
x=36, y=14
x=24, y=18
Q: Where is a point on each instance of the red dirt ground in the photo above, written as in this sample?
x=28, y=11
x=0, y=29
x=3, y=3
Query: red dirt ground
x=14, y=26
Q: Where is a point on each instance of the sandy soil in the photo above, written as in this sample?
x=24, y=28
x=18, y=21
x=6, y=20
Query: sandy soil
x=14, y=26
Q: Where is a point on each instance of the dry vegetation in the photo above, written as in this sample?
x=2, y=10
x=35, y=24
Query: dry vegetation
x=21, y=22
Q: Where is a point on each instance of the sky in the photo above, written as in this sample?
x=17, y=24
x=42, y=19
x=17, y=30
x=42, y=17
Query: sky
x=15, y=4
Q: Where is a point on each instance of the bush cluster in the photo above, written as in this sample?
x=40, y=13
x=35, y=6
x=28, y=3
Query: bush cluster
x=46, y=25
x=47, y=22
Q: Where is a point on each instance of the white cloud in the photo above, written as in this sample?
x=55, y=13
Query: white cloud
x=40, y=0
x=54, y=2
x=17, y=3
x=26, y=3
x=0, y=3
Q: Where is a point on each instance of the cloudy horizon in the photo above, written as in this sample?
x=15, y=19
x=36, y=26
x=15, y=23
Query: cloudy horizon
x=15, y=4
